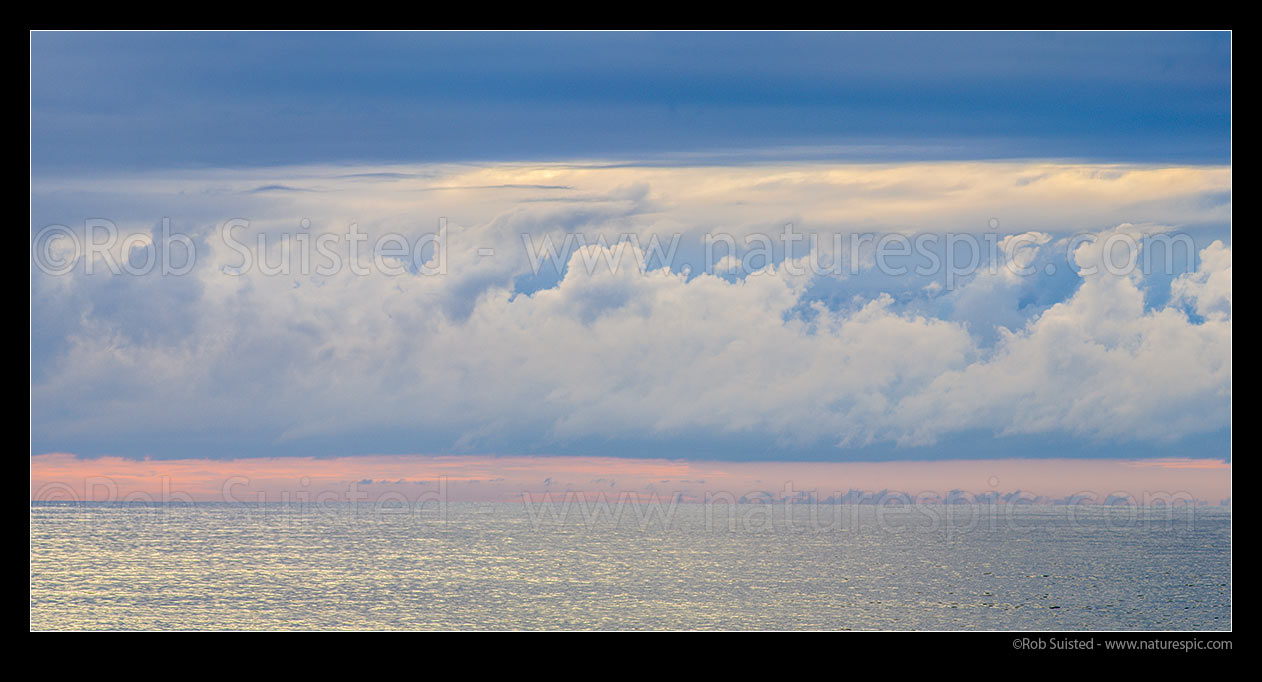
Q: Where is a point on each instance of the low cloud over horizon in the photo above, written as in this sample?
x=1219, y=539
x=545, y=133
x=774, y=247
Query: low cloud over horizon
x=1043, y=347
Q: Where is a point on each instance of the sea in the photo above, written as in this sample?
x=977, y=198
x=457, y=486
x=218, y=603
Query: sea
x=628, y=566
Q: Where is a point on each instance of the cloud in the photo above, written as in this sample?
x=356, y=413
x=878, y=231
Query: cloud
x=1098, y=364
x=1208, y=290
x=495, y=355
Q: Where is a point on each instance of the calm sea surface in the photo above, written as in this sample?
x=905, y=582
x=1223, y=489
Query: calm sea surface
x=509, y=566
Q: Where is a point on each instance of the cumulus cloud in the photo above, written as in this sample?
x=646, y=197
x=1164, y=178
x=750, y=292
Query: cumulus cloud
x=1098, y=364
x=495, y=354
x=1208, y=290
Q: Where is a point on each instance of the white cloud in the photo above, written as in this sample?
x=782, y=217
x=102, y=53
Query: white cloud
x=1098, y=364
x=622, y=353
x=1208, y=289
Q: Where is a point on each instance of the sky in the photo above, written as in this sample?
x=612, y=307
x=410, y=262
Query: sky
x=138, y=100
x=687, y=247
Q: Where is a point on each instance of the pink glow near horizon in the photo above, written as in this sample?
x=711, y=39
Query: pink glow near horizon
x=60, y=476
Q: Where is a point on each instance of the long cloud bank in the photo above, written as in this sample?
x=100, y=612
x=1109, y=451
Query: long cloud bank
x=495, y=354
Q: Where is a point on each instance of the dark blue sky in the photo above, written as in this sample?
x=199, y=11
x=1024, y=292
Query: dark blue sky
x=104, y=101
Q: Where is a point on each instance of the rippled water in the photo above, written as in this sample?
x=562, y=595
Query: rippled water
x=506, y=566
